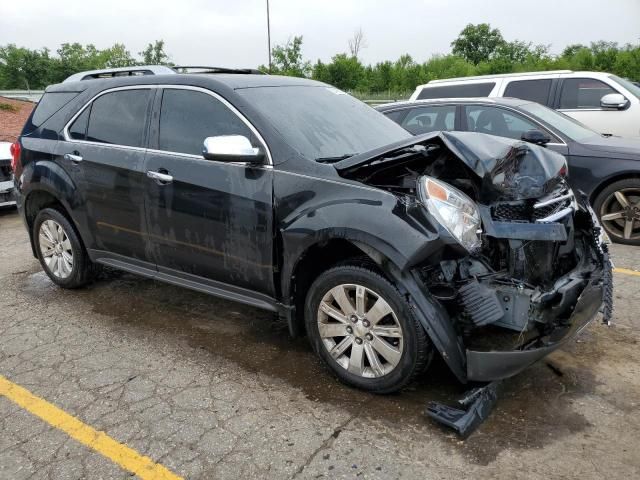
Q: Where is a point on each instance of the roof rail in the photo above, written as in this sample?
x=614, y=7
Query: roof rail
x=121, y=72
x=502, y=75
x=208, y=69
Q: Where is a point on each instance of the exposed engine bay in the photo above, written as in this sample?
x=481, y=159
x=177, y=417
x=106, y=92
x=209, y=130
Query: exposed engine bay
x=537, y=244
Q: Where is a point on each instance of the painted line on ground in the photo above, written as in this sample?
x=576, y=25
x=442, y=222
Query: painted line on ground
x=98, y=441
x=626, y=271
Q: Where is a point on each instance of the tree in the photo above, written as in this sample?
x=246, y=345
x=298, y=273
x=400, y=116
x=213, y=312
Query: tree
x=22, y=68
x=154, y=54
x=117, y=56
x=477, y=43
x=357, y=43
x=287, y=59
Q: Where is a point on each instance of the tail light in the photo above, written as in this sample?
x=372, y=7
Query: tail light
x=15, y=155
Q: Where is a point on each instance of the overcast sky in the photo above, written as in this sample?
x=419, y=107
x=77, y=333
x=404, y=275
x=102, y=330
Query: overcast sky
x=233, y=32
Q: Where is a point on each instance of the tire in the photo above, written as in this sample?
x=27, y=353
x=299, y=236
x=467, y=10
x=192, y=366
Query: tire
x=60, y=251
x=406, y=354
x=621, y=222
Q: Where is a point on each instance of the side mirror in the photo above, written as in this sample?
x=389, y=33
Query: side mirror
x=615, y=101
x=231, y=148
x=535, y=136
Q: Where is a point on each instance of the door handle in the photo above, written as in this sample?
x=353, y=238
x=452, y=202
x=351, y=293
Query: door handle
x=73, y=157
x=162, y=178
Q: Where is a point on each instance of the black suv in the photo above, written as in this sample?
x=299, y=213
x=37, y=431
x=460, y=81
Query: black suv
x=292, y=196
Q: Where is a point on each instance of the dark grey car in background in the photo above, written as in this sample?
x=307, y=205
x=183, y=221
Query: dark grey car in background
x=605, y=168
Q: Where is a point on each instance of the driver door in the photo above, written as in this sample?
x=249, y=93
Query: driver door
x=210, y=222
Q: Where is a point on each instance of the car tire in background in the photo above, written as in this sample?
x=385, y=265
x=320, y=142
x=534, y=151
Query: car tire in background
x=60, y=251
x=365, y=330
x=618, y=208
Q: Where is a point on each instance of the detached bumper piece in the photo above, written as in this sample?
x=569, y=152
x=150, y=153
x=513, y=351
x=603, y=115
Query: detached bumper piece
x=476, y=405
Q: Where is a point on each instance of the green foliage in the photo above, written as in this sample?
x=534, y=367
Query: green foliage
x=287, y=60
x=154, y=54
x=7, y=107
x=477, y=43
x=22, y=68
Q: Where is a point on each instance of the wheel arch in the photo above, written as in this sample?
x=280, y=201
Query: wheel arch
x=610, y=180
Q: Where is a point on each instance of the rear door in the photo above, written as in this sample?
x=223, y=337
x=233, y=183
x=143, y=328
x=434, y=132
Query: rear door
x=212, y=221
x=103, y=152
x=540, y=90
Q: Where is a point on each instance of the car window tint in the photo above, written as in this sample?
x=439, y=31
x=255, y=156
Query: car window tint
x=119, y=118
x=457, y=91
x=429, y=119
x=49, y=104
x=583, y=93
x=188, y=117
x=497, y=121
x=533, y=90
x=396, y=115
x=78, y=129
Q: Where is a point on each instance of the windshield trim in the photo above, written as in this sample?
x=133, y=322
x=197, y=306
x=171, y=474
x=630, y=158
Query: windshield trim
x=627, y=85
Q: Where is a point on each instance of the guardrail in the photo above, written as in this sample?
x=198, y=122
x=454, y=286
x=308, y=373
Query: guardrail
x=28, y=95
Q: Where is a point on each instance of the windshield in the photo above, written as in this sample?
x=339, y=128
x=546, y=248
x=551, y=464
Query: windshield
x=564, y=124
x=323, y=122
x=634, y=89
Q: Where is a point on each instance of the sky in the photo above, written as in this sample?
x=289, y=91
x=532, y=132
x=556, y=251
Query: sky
x=233, y=33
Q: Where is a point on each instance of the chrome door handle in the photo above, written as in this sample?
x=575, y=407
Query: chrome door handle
x=73, y=157
x=160, y=177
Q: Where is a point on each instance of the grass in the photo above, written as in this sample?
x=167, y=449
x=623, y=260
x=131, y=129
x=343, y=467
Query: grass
x=8, y=107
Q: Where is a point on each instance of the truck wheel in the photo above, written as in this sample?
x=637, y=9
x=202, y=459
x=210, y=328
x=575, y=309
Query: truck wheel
x=60, y=251
x=618, y=208
x=364, y=330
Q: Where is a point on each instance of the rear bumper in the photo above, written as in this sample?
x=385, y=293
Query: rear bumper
x=497, y=365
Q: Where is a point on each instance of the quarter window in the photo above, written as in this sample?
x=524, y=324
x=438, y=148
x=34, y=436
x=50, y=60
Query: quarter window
x=583, y=93
x=429, y=119
x=78, y=129
x=188, y=117
x=119, y=118
x=533, y=90
x=457, y=91
x=497, y=121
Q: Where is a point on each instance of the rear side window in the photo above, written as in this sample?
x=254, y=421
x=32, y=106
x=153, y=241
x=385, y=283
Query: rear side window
x=457, y=91
x=188, y=117
x=119, y=118
x=78, y=129
x=533, y=90
x=583, y=93
x=429, y=119
x=49, y=104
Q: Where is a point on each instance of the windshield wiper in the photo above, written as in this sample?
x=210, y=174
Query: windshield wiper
x=335, y=159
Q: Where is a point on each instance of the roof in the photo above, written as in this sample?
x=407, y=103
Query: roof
x=508, y=101
x=232, y=81
x=499, y=75
x=13, y=118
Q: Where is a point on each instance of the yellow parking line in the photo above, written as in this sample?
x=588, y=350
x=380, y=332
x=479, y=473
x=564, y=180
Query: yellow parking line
x=124, y=456
x=626, y=271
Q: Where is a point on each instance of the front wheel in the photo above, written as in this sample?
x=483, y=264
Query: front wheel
x=618, y=208
x=364, y=330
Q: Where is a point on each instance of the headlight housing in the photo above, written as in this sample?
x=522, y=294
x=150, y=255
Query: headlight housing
x=454, y=210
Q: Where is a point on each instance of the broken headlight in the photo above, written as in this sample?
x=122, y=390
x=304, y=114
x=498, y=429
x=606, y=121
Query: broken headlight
x=454, y=210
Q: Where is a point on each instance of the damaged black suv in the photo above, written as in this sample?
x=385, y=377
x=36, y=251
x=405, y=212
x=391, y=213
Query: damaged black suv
x=291, y=196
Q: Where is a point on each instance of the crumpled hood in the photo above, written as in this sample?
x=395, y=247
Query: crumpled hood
x=509, y=169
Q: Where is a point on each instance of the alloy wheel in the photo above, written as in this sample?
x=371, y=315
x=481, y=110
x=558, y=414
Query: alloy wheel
x=620, y=214
x=55, y=247
x=360, y=330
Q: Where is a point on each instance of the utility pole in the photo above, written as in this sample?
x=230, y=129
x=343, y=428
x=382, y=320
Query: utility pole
x=269, y=36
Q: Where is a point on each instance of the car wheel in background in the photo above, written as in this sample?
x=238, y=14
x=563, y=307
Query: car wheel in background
x=618, y=207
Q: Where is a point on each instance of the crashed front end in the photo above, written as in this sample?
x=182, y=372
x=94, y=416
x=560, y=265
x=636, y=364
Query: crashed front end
x=519, y=262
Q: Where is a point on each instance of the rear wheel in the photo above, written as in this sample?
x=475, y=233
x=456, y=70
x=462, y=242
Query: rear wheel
x=60, y=251
x=618, y=207
x=364, y=330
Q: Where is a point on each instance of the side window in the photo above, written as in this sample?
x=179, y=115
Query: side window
x=188, y=117
x=533, y=90
x=119, y=118
x=429, y=119
x=583, y=93
x=78, y=129
x=497, y=121
x=465, y=90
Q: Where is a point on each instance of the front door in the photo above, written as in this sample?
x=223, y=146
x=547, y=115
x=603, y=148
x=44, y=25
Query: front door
x=104, y=155
x=209, y=221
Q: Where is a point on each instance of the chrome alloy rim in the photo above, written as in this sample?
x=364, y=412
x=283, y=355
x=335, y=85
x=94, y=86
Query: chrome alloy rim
x=55, y=247
x=620, y=213
x=360, y=330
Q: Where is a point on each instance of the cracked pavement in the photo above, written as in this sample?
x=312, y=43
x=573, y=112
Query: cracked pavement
x=213, y=389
